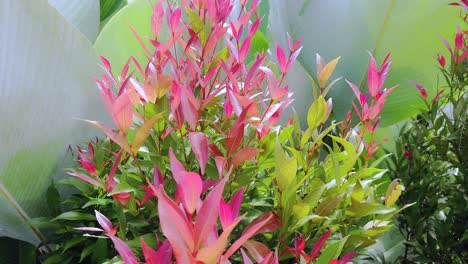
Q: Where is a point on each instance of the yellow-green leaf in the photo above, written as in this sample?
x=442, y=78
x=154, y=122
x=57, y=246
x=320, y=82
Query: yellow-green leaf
x=143, y=133
x=301, y=210
x=393, y=192
x=327, y=72
x=317, y=113
x=286, y=168
x=328, y=205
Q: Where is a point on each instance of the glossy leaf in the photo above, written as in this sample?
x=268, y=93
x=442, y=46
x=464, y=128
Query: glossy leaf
x=83, y=14
x=38, y=42
x=143, y=133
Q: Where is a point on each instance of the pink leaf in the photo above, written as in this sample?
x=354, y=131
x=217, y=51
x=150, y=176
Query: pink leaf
x=228, y=212
x=320, y=63
x=113, y=135
x=245, y=48
x=162, y=256
x=220, y=164
x=199, y=142
x=124, y=250
x=283, y=63
x=319, y=244
x=122, y=113
x=84, y=178
x=208, y=214
x=175, y=227
x=346, y=258
x=190, y=190
x=105, y=223
x=157, y=19
x=373, y=80
x=176, y=167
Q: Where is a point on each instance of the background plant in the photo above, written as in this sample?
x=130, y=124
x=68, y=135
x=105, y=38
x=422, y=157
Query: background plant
x=431, y=161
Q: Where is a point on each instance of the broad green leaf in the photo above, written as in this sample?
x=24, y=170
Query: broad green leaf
x=45, y=72
x=349, y=29
x=285, y=168
x=317, y=113
x=117, y=42
x=109, y=8
x=83, y=14
x=197, y=25
x=332, y=251
x=363, y=209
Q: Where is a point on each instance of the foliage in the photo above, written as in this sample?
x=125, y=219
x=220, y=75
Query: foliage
x=431, y=162
x=196, y=128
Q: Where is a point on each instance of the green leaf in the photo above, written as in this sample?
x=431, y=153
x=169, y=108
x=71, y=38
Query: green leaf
x=46, y=71
x=363, y=209
x=350, y=151
x=315, y=194
x=285, y=168
x=399, y=26
x=83, y=14
x=109, y=7
x=117, y=42
x=259, y=44
x=332, y=251
x=197, y=25
x=73, y=216
x=317, y=113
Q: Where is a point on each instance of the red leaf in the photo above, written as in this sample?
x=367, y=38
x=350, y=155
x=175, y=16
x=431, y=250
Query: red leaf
x=110, y=177
x=124, y=250
x=373, y=80
x=208, y=214
x=190, y=189
x=319, y=244
x=199, y=142
x=162, y=256
x=220, y=164
x=283, y=63
x=421, y=89
x=245, y=154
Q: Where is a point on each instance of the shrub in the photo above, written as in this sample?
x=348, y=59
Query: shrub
x=197, y=145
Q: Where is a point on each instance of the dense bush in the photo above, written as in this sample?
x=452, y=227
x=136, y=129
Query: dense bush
x=198, y=167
